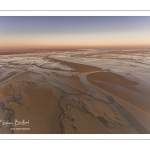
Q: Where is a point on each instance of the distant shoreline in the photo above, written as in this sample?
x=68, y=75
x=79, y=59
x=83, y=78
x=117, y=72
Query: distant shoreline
x=25, y=51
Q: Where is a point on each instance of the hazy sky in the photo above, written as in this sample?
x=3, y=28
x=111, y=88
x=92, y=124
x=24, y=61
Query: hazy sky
x=64, y=32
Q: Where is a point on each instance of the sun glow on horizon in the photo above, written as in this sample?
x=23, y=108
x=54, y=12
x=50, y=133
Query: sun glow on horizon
x=74, y=32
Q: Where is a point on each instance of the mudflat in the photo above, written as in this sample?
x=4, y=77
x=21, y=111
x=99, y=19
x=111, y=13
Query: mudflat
x=74, y=91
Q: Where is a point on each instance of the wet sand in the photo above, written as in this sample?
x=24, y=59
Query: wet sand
x=59, y=92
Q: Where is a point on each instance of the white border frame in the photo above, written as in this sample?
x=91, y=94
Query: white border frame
x=75, y=136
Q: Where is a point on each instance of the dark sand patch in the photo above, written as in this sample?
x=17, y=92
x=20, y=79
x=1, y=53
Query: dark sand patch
x=77, y=67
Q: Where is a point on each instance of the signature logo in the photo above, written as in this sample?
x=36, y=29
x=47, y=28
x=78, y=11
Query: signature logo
x=15, y=123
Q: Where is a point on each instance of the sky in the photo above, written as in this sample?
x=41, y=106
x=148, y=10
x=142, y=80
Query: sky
x=27, y=32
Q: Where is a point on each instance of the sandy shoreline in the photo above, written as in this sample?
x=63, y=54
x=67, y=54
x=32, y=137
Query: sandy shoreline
x=58, y=96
